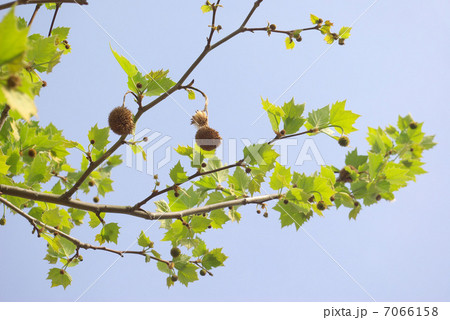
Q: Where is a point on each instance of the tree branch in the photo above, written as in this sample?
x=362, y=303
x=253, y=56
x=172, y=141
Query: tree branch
x=128, y=210
x=143, y=109
x=193, y=176
x=35, y=222
x=21, y=2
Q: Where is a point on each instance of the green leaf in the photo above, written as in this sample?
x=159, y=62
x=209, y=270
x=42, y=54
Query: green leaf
x=292, y=117
x=290, y=44
x=191, y=94
x=77, y=215
x=292, y=213
x=38, y=171
x=281, y=177
x=318, y=118
x=177, y=174
x=213, y=259
x=239, y=181
x=176, y=232
x=234, y=215
x=262, y=155
x=199, y=224
x=20, y=102
x=13, y=41
x=109, y=233
x=314, y=19
x=126, y=65
x=343, y=118
x=94, y=220
x=200, y=249
x=213, y=164
x=100, y=136
x=353, y=159
x=187, y=199
x=396, y=175
x=206, y=8
x=59, y=277
x=375, y=162
x=158, y=83
x=344, y=33
x=218, y=218
x=52, y=217
x=329, y=38
x=187, y=274
x=143, y=240
x=354, y=212
x=274, y=112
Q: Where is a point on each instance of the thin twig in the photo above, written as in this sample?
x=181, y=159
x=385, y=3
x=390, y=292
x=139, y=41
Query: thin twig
x=4, y=115
x=213, y=27
x=54, y=18
x=35, y=222
x=143, y=109
x=22, y=2
x=193, y=176
x=190, y=87
x=36, y=9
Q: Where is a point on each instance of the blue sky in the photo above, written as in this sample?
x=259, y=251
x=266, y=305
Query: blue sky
x=395, y=62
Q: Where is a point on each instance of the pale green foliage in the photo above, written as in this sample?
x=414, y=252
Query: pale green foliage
x=33, y=157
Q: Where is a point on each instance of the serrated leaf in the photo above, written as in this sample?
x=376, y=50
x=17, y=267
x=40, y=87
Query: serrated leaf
x=188, y=274
x=94, y=220
x=343, y=118
x=143, y=240
x=344, y=33
x=13, y=41
x=200, y=249
x=218, y=218
x=59, y=277
x=177, y=174
x=353, y=159
x=199, y=224
x=109, y=233
x=126, y=65
x=100, y=136
x=281, y=177
x=262, y=155
x=213, y=259
x=239, y=181
x=292, y=118
x=319, y=118
x=274, y=112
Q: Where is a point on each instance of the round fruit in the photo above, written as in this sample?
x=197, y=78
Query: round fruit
x=121, y=121
x=2, y=221
x=175, y=252
x=91, y=183
x=32, y=153
x=203, y=272
x=378, y=197
x=321, y=205
x=265, y=215
x=285, y=201
x=174, y=277
x=14, y=81
x=96, y=199
x=207, y=138
x=273, y=27
x=413, y=125
x=344, y=141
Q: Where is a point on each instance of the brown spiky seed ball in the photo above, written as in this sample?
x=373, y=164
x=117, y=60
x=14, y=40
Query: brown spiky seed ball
x=199, y=119
x=207, y=138
x=121, y=121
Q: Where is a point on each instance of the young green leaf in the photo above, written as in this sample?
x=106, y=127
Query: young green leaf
x=59, y=277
